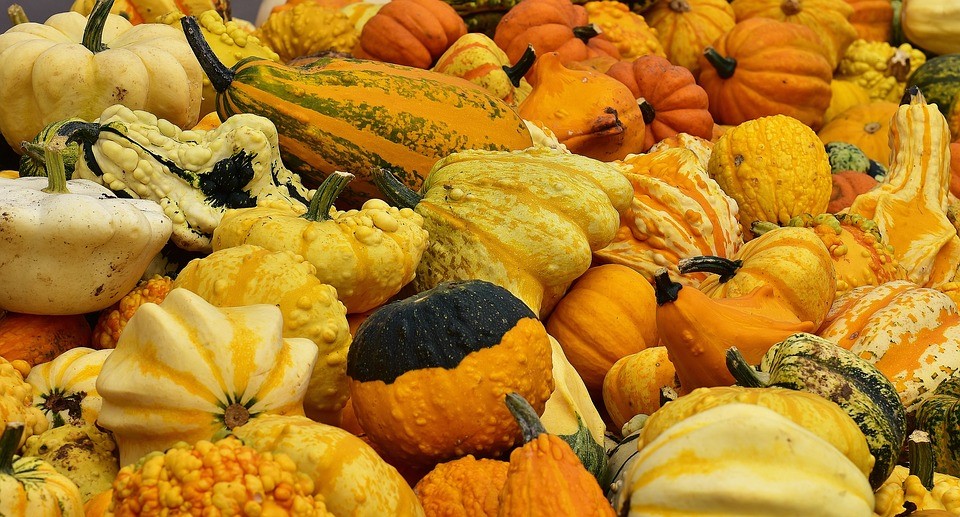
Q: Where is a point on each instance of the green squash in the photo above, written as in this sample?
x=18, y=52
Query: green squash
x=939, y=416
x=939, y=80
x=810, y=363
x=32, y=162
x=846, y=157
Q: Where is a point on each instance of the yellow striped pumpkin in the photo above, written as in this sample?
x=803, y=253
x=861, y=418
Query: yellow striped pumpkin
x=65, y=389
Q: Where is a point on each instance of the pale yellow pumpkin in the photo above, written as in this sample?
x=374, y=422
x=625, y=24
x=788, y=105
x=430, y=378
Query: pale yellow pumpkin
x=65, y=389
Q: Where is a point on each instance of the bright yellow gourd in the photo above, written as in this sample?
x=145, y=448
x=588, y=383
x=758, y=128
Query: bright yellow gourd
x=307, y=28
x=626, y=29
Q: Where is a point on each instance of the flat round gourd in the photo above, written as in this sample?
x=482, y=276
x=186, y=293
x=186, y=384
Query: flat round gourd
x=65, y=389
x=428, y=373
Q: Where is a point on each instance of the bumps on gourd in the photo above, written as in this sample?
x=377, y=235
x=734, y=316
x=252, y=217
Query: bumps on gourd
x=16, y=399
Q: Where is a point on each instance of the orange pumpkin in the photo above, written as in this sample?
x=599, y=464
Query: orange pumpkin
x=765, y=67
x=847, y=185
x=466, y=486
x=873, y=19
x=866, y=126
x=845, y=95
x=670, y=99
x=39, y=339
x=686, y=27
x=410, y=32
x=632, y=386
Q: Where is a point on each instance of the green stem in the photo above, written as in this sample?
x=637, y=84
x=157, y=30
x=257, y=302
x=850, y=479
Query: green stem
x=393, y=189
x=16, y=14
x=759, y=228
x=93, y=30
x=521, y=67
x=585, y=32
x=525, y=416
x=725, y=66
x=56, y=172
x=9, y=443
x=723, y=267
x=665, y=289
x=920, y=457
x=743, y=372
x=326, y=194
x=220, y=75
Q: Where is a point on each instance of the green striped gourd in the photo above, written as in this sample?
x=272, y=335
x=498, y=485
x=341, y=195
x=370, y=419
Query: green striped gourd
x=939, y=416
x=939, y=80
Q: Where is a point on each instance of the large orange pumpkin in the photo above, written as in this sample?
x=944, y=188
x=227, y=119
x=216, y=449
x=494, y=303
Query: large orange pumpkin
x=866, y=126
x=873, y=19
x=410, y=32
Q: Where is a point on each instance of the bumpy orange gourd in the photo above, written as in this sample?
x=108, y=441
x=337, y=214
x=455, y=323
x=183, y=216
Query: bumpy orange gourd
x=466, y=487
x=686, y=27
x=410, y=32
x=37, y=339
x=866, y=126
x=110, y=321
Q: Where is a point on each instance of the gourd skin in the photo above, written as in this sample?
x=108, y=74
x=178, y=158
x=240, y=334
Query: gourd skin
x=466, y=486
x=305, y=29
x=16, y=400
x=84, y=454
x=937, y=415
x=30, y=486
x=686, y=27
x=931, y=25
x=65, y=389
x=626, y=29
x=902, y=487
x=476, y=58
x=866, y=126
x=880, y=68
x=632, y=386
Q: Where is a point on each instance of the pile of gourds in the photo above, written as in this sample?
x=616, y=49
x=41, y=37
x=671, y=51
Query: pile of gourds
x=433, y=257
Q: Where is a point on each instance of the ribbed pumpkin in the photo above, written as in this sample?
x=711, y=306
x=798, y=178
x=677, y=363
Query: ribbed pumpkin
x=428, y=373
x=608, y=313
x=670, y=99
x=686, y=27
x=873, y=19
x=632, y=386
x=866, y=126
x=677, y=211
x=65, y=389
x=910, y=333
x=844, y=95
x=410, y=33
x=476, y=58
x=774, y=167
x=829, y=19
x=40, y=338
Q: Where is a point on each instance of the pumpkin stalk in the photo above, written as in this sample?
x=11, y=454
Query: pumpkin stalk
x=791, y=7
x=16, y=14
x=920, y=457
x=93, y=30
x=744, y=373
x=666, y=290
x=725, y=66
x=9, y=443
x=325, y=195
x=526, y=417
x=220, y=74
x=646, y=109
x=899, y=65
x=393, y=189
x=679, y=6
x=585, y=32
x=56, y=172
x=723, y=267
x=235, y=415
x=521, y=67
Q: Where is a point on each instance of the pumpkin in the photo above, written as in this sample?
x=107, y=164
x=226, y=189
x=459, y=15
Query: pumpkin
x=626, y=29
x=847, y=185
x=608, y=313
x=866, y=126
x=918, y=491
x=551, y=26
x=632, y=385
x=40, y=338
x=817, y=366
x=248, y=275
x=774, y=167
x=428, y=373
x=873, y=19
x=546, y=460
x=763, y=67
x=670, y=99
x=30, y=486
x=914, y=194
x=410, y=33
x=686, y=27
x=927, y=23
x=829, y=19
x=697, y=330
x=306, y=29
x=465, y=486
x=347, y=474
x=677, y=211
x=476, y=58
x=185, y=370
x=65, y=389
x=910, y=333
x=98, y=505
x=676, y=474
x=844, y=95
x=793, y=261
x=591, y=113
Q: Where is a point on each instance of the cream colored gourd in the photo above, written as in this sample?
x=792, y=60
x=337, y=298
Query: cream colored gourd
x=185, y=370
x=932, y=24
x=31, y=487
x=742, y=459
x=65, y=389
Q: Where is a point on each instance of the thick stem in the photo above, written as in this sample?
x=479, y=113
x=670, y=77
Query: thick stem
x=56, y=172
x=93, y=30
x=525, y=416
x=791, y=7
x=585, y=32
x=235, y=415
x=920, y=457
x=912, y=95
x=521, y=67
x=744, y=373
x=326, y=194
x=667, y=290
x=220, y=75
x=16, y=14
x=393, y=189
x=646, y=109
x=9, y=443
x=679, y=6
x=725, y=66
x=723, y=267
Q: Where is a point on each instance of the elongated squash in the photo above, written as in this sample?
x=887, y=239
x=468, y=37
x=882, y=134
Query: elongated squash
x=353, y=115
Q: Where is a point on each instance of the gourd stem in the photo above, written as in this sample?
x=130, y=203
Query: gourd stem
x=759, y=228
x=16, y=14
x=646, y=109
x=56, y=172
x=791, y=7
x=679, y=6
x=325, y=195
x=666, y=290
x=724, y=267
x=93, y=30
x=725, y=66
x=743, y=372
x=393, y=189
x=920, y=457
x=33, y=151
x=585, y=32
x=9, y=443
x=667, y=394
x=912, y=95
x=521, y=67
x=220, y=75
x=525, y=416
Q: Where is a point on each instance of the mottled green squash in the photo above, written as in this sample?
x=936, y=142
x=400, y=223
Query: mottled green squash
x=939, y=416
x=939, y=80
x=846, y=157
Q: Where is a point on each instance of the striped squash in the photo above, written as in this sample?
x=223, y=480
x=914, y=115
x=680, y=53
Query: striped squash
x=65, y=389
x=939, y=80
x=352, y=115
x=938, y=416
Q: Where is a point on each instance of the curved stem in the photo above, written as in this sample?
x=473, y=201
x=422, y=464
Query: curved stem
x=646, y=109
x=525, y=416
x=723, y=267
x=326, y=194
x=791, y=7
x=93, y=30
x=393, y=189
x=585, y=32
x=743, y=372
x=725, y=66
x=9, y=443
x=920, y=457
x=16, y=14
x=56, y=172
x=220, y=75
x=666, y=290
x=521, y=67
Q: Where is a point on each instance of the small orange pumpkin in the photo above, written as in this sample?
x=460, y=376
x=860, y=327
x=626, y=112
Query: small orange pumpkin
x=866, y=126
x=873, y=19
x=410, y=32
x=632, y=386
x=686, y=27
x=39, y=339
x=847, y=185
x=465, y=486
